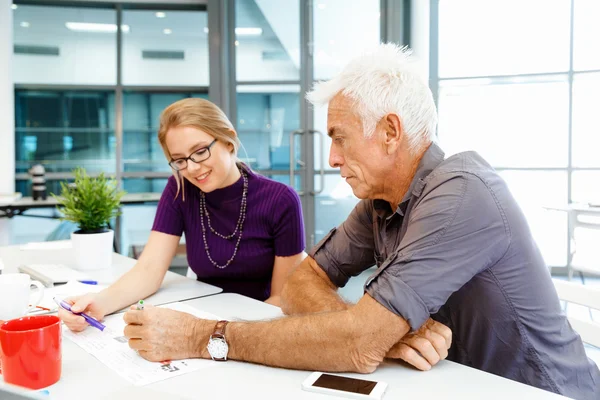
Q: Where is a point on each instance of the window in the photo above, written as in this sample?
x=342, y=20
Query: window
x=266, y=116
x=506, y=92
x=66, y=69
x=586, y=132
x=69, y=45
x=483, y=38
x=507, y=121
x=267, y=41
x=342, y=29
x=141, y=112
x=63, y=130
x=586, y=35
x=165, y=48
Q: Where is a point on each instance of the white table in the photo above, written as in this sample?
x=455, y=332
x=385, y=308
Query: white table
x=174, y=287
x=19, y=207
x=85, y=377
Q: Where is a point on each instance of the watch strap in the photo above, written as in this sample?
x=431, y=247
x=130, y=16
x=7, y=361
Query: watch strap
x=219, y=330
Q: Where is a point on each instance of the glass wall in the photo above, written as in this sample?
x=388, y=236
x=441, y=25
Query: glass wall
x=267, y=56
x=337, y=40
x=69, y=78
x=65, y=45
x=524, y=99
x=165, y=48
x=271, y=82
x=69, y=115
x=63, y=129
x=141, y=113
x=265, y=117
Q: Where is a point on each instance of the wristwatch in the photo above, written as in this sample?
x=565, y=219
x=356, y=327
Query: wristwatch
x=217, y=344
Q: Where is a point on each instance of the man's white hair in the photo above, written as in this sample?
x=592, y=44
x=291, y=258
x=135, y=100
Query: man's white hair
x=380, y=82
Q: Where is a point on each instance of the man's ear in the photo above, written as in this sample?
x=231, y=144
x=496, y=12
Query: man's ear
x=394, y=133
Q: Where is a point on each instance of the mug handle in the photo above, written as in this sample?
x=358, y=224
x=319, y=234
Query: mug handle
x=40, y=286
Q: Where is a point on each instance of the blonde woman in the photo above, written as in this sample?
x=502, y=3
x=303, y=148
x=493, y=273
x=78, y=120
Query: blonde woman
x=244, y=232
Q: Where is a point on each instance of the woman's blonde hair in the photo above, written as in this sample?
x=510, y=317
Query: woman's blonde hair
x=200, y=114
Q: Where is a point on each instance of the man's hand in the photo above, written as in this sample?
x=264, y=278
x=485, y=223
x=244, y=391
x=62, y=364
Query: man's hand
x=424, y=348
x=159, y=334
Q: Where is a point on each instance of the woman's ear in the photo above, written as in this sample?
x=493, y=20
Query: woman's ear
x=230, y=145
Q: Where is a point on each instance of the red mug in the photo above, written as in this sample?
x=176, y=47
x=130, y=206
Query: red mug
x=31, y=351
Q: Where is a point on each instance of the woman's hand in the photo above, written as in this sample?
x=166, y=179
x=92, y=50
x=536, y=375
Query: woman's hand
x=89, y=303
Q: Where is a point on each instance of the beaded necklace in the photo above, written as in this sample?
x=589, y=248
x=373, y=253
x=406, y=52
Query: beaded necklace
x=238, y=228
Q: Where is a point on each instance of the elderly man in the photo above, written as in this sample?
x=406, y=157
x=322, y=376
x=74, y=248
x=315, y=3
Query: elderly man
x=449, y=242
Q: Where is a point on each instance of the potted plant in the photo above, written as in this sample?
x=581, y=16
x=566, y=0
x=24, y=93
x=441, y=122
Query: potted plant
x=90, y=203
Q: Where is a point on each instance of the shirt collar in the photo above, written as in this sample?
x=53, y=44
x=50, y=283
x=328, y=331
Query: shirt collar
x=433, y=156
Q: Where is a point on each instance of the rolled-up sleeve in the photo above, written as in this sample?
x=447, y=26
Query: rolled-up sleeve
x=349, y=249
x=456, y=230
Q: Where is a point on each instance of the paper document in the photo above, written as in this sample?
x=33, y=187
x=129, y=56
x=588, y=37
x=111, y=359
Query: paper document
x=53, y=274
x=112, y=349
x=71, y=288
x=52, y=245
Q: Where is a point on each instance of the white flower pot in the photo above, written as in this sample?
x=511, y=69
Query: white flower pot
x=92, y=250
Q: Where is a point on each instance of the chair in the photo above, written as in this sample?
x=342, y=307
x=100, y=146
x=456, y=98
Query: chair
x=588, y=297
x=586, y=220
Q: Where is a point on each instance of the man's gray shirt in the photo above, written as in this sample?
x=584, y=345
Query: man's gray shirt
x=458, y=249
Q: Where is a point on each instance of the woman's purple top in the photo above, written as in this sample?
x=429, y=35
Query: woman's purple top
x=273, y=227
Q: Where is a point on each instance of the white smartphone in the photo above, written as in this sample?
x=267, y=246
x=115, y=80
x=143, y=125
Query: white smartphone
x=343, y=386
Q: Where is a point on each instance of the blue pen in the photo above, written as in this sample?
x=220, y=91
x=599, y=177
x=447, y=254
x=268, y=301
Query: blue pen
x=89, y=319
x=89, y=282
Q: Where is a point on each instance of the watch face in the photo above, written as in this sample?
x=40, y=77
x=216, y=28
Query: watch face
x=217, y=347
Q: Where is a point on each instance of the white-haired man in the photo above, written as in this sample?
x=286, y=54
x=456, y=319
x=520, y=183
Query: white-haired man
x=449, y=241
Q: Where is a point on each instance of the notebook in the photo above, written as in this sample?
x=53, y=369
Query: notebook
x=52, y=274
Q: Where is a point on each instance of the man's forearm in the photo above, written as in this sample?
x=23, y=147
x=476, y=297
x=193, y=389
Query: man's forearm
x=348, y=340
x=308, y=291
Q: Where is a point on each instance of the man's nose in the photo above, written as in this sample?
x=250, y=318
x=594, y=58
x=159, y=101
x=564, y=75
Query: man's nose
x=335, y=159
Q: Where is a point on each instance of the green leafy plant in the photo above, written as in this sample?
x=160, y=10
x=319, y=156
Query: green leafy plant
x=89, y=202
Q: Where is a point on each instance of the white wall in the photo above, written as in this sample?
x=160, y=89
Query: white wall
x=7, y=113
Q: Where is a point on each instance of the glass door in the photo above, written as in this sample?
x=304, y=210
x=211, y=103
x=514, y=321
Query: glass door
x=278, y=57
x=268, y=92
x=336, y=40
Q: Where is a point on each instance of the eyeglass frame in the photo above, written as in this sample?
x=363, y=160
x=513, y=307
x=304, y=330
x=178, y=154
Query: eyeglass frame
x=207, y=148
